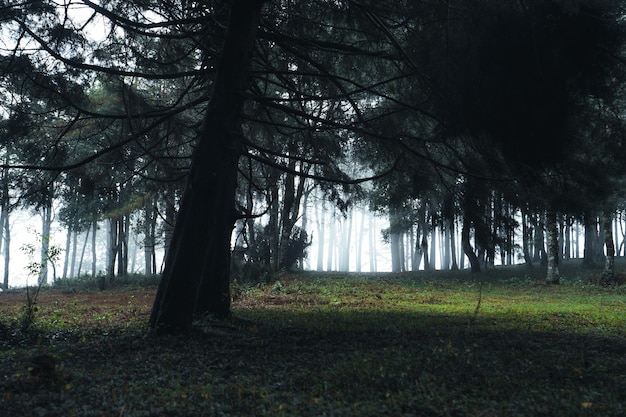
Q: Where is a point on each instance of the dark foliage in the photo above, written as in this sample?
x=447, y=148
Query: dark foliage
x=519, y=73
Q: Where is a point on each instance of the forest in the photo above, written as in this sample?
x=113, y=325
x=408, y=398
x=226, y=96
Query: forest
x=207, y=128
x=215, y=146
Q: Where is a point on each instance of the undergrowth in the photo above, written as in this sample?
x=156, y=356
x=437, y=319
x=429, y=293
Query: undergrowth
x=312, y=344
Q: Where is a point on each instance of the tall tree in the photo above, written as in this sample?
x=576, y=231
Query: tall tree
x=199, y=253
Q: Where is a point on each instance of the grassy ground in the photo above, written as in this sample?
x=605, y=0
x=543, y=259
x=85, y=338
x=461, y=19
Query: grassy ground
x=439, y=344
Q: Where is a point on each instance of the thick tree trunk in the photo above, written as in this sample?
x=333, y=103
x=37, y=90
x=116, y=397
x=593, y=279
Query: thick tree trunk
x=394, y=239
x=112, y=248
x=608, y=272
x=467, y=247
x=590, y=223
x=196, y=276
x=553, y=275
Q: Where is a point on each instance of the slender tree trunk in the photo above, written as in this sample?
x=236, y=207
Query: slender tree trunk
x=372, y=243
x=359, y=241
x=447, y=245
x=433, y=242
x=452, y=226
x=567, y=238
x=45, y=237
x=123, y=224
x=94, y=251
x=82, y=252
x=321, y=213
x=526, y=235
x=68, y=247
x=616, y=233
x=608, y=272
x=330, y=250
x=273, y=225
x=197, y=269
x=553, y=253
x=7, y=246
x=622, y=234
x=305, y=224
x=149, y=229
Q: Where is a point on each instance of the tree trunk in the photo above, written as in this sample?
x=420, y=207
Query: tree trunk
x=526, y=235
x=330, y=250
x=7, y=246
x=467, y=247
x=359, y=241
x=608, y=272
x=433, y=242
x=149, y=239
x=197, y=269
x=553, y=255
x=94, y=252
x=112, y=247
x=82, y=252
x=170, y=220
x=394, y=239
x=452, y=226
x=68, y=252
x=320, y=212
x=45, y=237
x=372, y=243
x=4, y=218
x=123, y=224
x=590, y=223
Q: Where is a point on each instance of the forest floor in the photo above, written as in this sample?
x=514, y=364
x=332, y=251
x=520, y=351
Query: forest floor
x=497, y=343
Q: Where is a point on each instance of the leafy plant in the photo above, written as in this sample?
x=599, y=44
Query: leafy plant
x=34, y=268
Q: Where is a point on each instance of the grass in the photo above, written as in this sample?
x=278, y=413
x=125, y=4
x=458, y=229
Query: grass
x=426, y=344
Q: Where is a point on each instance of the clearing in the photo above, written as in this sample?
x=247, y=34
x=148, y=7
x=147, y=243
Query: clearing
x=415, y=344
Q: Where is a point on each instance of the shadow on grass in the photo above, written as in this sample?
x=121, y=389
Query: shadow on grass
x=342, y=362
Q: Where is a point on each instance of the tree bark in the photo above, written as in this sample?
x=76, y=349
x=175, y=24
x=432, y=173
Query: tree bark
x=590, y=223
x=7, y=247
x=197, y=269
x=320, y=213
x=372, y=243
x=45, y=236
x=553, y=275
x=526, y=235
x=112, y=247
x=467, y=247
x=149, y=240
x=608, y=272
x=94, y=252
